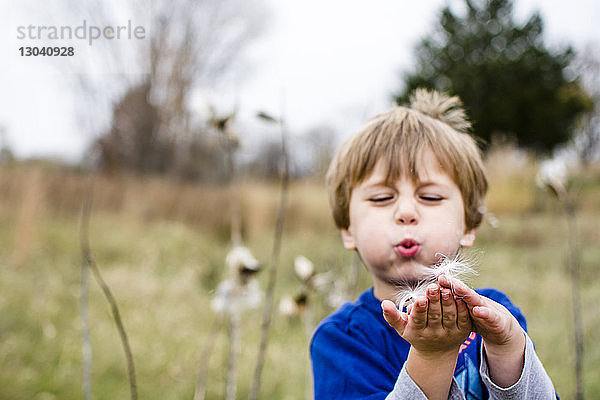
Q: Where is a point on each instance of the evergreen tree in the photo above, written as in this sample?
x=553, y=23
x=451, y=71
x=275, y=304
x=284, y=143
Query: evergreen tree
x=508, y=80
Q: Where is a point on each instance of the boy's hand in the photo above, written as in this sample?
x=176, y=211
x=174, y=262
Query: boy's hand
x=437, y=323
x=502, y=335
x=435, y=326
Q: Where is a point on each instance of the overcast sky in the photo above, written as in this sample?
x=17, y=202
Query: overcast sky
x=324, y=62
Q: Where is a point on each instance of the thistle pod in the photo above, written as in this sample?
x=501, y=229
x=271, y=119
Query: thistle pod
x=304, y=268
x=337, y=294
x=222, y=303
x=301, y=300
x=231, y=298
x=321, y=282
x=241, y=262
x=288, y=307
x=552, y=175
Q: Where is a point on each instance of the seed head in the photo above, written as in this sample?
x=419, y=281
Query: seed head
x=409, y=293
x=241, y=261
x=304, y=268
x=552, y=175
x=459, y=267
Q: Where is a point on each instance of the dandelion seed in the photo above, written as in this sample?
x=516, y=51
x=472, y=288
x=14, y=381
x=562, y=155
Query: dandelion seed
x=459, y=267
x=410, y=292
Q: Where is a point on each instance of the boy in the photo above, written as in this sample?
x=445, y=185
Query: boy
x=409, y=187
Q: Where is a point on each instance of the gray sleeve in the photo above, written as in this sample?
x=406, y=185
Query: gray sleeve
x=407, y=389
x=534, y=383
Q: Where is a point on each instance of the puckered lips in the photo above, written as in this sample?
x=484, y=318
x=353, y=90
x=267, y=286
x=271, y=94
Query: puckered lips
x=407, y=248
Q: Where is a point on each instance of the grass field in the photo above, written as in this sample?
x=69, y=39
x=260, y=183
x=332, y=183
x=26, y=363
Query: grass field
x=161, y=248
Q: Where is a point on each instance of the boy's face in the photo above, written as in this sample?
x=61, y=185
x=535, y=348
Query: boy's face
x=399, y=229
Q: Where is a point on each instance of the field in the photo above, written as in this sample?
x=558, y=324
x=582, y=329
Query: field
x=161, y=248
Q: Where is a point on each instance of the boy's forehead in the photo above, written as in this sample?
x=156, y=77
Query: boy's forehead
x=425, y=166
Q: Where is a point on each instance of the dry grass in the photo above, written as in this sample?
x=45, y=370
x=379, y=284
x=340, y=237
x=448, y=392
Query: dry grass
x=511, y=174
x=161, y=247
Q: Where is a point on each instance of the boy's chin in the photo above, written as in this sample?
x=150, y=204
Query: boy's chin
x=406, y=282
x=404, y=275
x=411, y=280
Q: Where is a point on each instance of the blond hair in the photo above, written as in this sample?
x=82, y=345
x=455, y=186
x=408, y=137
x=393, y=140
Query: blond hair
x=400, y=137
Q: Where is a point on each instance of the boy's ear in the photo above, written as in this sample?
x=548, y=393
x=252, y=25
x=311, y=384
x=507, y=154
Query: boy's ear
x=468, y=238
x=348, y=239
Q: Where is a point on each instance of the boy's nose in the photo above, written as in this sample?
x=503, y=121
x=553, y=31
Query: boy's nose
x=407, y=219
x=405, y=213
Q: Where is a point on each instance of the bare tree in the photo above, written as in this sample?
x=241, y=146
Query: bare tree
x=587, y=137
x=320, y=146
x=194, y=44
x=188, y=45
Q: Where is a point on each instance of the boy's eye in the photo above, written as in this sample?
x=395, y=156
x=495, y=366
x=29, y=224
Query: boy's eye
x=381, y=198
x=431, y=197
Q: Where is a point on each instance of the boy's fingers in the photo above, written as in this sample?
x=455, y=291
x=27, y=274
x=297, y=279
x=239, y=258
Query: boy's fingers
x=468, y=295
x=388, y=307
x=393, y=316
x=491, y=321
x=444, y=281
x=434, y=311
x=463, y=319
x=418, y=314
x=448, y=308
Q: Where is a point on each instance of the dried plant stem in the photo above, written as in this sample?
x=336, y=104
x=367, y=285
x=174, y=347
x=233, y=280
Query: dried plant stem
x=236, y=220
x=86, y=347
x=576, y=296
x=236, y=213
x=120, y=327
x=90, y=263
x=236, y=240
x=309, y=325
x=234, y=354
x=200, y=392
x=270, y=291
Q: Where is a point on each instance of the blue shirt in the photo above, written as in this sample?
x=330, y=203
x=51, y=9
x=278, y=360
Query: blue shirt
x=357, y=355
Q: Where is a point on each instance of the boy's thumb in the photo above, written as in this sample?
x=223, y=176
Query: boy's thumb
x=393, y=316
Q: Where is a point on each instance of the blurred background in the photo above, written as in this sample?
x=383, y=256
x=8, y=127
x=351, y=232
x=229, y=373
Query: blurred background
x=185, y=139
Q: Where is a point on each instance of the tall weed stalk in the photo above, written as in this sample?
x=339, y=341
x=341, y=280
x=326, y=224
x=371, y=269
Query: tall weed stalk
x=553, y=175
x=267, y=315
x=88, y=263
